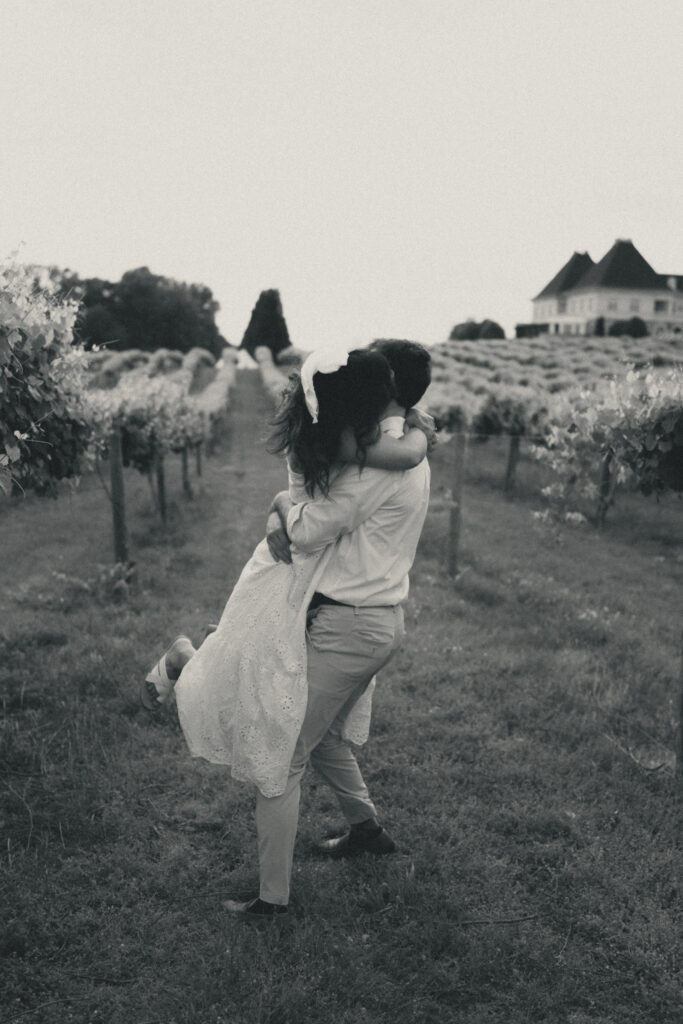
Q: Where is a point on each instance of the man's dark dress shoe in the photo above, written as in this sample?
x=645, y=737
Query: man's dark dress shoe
x=256, y=911
x=356, y=842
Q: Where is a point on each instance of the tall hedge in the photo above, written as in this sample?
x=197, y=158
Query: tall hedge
x=267, y=325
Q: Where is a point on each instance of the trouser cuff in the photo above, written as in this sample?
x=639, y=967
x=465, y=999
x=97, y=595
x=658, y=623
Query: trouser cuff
x=272, y=897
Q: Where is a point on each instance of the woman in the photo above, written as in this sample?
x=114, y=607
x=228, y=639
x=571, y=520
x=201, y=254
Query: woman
x=242, y=696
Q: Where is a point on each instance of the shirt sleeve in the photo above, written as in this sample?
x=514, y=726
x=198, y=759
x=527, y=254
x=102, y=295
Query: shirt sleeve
x=353, y=497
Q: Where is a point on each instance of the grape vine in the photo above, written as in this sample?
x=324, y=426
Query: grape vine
x=44, y=431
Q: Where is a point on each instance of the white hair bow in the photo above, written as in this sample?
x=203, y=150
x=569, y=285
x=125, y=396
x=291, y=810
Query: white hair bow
x=322, y=360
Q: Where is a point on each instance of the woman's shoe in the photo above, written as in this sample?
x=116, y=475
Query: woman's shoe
x=157, y=686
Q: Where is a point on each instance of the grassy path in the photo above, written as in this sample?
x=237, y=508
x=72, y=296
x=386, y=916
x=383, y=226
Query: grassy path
x=520, y=755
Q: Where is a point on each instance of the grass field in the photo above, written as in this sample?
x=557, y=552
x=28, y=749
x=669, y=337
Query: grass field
x=521, y=756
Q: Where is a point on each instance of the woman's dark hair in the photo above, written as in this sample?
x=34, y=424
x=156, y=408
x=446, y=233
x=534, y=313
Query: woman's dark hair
x=353, y=396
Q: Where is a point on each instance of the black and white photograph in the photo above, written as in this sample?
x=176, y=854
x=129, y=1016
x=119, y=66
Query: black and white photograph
x=341, y=512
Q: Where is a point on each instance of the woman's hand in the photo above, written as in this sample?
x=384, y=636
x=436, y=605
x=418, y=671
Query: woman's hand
x=424, y=422
x=277, y=540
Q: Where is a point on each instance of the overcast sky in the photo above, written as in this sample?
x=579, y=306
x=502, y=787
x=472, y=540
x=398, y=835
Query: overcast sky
x=391, y=166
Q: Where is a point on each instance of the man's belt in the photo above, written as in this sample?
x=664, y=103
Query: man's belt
x=319, y=599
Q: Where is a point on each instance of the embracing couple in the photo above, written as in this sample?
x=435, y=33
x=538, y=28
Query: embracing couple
x=288, y=674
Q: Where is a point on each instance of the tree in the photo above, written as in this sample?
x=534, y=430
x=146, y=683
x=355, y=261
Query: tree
x=467, y=331
x=633, y=328
x=596, y=327
x=490, y=329
x=267, y=325
x=144, y=310
x=618, y=328
x=470, y=330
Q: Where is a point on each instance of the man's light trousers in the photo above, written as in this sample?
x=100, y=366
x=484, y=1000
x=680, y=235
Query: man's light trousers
x=346, y=646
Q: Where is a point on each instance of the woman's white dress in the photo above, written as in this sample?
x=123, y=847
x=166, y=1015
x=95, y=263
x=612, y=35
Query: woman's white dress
x=242, y=697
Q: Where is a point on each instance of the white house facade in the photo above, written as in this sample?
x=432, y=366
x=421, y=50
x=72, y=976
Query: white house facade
x=587, y=298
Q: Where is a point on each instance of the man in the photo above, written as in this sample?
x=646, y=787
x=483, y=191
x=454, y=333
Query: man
x=374, y=518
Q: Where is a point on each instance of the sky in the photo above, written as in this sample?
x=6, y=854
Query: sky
x=393, y=167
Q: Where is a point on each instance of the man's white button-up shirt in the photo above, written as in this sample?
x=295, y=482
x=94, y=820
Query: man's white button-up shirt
x=375, y=517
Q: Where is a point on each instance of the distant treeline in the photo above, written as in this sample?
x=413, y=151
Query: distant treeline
x=147, y=311
x=143, y=311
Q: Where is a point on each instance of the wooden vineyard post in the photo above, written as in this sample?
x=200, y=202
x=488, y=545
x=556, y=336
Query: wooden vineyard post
x=460, y=448
x=150, y=481
x=511, y=468
x=161, y=487
x=198, y=458
x=605, y=489
x=118, y=501
x=187, y=486
x=679, y=724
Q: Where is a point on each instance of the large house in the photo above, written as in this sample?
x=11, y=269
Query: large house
x=587, y=298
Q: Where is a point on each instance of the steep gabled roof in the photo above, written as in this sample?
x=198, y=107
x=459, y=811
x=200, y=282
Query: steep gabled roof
x=566, y=278
x=621, y=267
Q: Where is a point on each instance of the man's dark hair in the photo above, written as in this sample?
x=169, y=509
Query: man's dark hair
x=412, y=366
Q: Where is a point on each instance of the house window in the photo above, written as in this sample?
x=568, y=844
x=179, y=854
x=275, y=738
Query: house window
x=561, y=305
x=661, y=305
x=612, y=305
x=635, y=305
